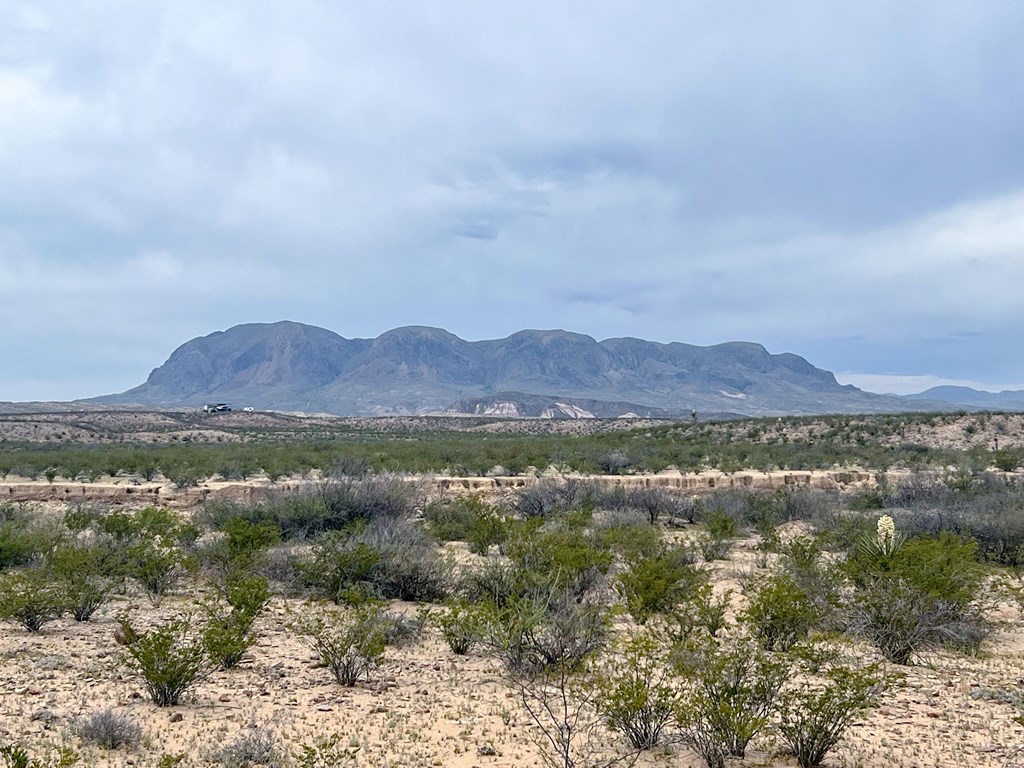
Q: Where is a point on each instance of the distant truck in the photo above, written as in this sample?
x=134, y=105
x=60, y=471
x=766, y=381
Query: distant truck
x=216, y=408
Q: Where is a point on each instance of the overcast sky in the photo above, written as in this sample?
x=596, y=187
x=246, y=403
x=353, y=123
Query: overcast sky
x=840, y=180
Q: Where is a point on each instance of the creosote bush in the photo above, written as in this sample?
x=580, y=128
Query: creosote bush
x=564, y=555
x=351, y=644
x=628, y=535
x=719, y=535
x=385, y=560
x=16, y=756
x=227, y=635
x=635, y=692
x=532, y=633
x=156, y=566
x=814, y=716
x=325, y=752
x=170, y=658
x=468, y=519
x=30, y=598
x=462, y=626
x=730, y=695
x=779, y=613
x=87, y=575
x=658, y=584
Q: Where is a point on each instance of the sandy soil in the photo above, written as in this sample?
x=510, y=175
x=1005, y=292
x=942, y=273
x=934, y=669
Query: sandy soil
x=429, y=707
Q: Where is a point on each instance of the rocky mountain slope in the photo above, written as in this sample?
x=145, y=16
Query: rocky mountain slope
x=290, y=366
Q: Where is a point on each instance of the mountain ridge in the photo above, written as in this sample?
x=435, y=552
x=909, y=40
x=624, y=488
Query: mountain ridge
x=421, y=369
x=1007, y=399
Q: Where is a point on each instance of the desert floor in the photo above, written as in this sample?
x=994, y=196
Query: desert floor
x=428, y=707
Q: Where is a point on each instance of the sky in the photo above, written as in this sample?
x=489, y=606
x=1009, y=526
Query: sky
x=844, y=181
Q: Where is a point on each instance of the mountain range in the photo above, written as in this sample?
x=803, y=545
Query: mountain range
x=1007, y=400
x=295, y=367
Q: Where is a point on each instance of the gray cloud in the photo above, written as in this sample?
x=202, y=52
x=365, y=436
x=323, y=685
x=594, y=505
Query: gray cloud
x=845, y=182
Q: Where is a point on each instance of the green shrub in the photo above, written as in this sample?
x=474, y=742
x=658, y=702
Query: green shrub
x=325, y=752
x=718, y=537
x=651, y=585
x=635, y=694
x=730, y=695
x=823, y=583
x=20, y=542
x=30, y=598
x=170, y=659
x=246, y=594
x=228, y=634
x=461, y=626
x=350, y=644
x=531, y=636
x=156, y=567
x=86, y=574
x=700, y=610
x=468, y=519
x=159, y=521
x=15, y=756
x=813, y=717
x=903, y=621
x=1006, y=460
x=630, y=539
x=917, y=596
x=709, y=611
x=496, y=583
x=565, y=558
x=945, y=567
x=779, y=613
x=339, y=565
x=390, y=560
x=227, y=637
x=296, y=514
x=245, y=542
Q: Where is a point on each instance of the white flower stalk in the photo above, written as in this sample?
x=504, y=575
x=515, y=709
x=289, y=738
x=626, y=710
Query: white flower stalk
x=886, y=531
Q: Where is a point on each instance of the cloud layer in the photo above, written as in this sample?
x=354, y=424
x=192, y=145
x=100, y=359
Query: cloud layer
x=846, y=183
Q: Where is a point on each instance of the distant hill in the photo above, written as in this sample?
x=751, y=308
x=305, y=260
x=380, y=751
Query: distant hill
x=521, y=405
x=1007, y=400
x=290, y=366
